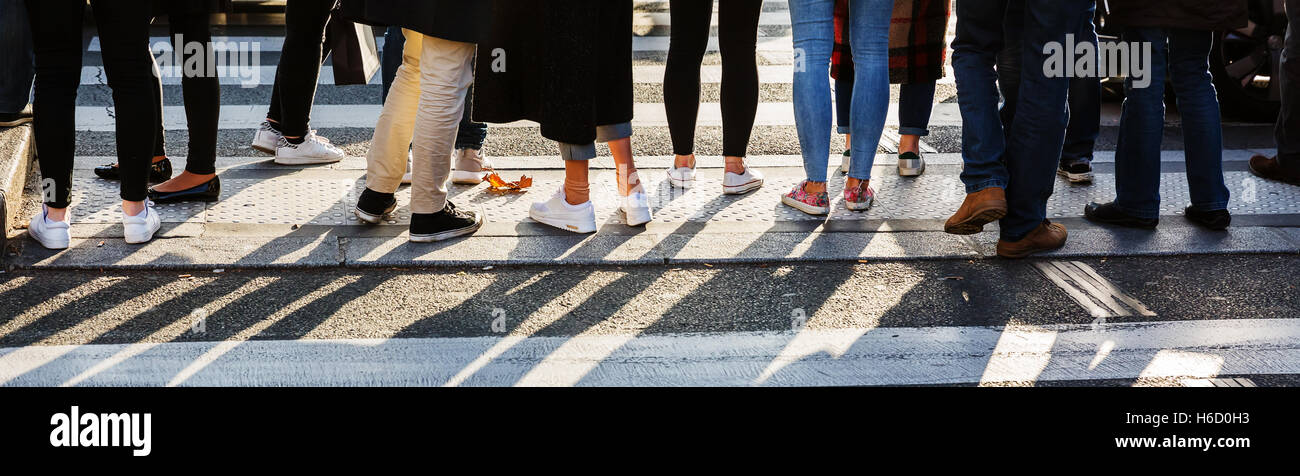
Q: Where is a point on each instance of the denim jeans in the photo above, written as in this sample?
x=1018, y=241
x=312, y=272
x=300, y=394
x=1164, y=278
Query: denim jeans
x=1084, y=96
x=471, y=135
x=1288, y=120
x=813, y=28
x=16, y=59
x=992, y=157
x=915, y=103
x=1137, y=155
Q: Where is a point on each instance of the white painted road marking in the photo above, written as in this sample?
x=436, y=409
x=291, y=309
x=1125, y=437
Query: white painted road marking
x=882, y=356
x=1096, y=294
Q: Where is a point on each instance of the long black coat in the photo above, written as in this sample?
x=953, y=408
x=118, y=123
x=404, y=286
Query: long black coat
x=568, y=68
x=455, y=20
x=1189, y=14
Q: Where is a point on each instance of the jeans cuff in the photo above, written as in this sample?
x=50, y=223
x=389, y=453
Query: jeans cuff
x=1209, y=207
x=913, y=131
x=577, y=151
x=972, y=188
x=613, y=132
x=843, y=129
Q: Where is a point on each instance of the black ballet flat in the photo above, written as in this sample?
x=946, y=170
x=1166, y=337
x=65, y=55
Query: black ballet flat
x=159, y=172
x=207, y=192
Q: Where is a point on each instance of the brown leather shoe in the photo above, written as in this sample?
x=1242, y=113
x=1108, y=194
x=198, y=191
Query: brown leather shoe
x=979, y=209
x=1269, y=168
x=1046, y=237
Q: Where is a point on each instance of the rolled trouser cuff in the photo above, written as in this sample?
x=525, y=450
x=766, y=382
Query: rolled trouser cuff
x=577, y=151
x=613, y=132
x=913, y=131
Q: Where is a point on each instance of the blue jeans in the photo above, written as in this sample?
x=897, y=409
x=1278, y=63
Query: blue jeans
x=470, y=135
x=915, y=102
x=1015, y=161
x=1137, y=155
x=16, y=58
x=813, y=28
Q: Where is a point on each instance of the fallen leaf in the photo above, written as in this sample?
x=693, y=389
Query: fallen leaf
x=498, y=185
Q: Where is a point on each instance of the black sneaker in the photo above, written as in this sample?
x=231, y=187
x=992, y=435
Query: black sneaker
x=1077, y=171
x=1110, y=214
x=373, y=206
x=159, y=172
x=1217, y=220
x=448, y=223
x=11, y=119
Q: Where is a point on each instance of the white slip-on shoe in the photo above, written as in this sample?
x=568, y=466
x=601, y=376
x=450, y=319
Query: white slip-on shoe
x=560, y=214
x=141, y=228
x=910, y=164
x=470, y=177
x=682, y=177
x=266, y=139
x=410, y=164
x=54, y=235
x=735, y=184
x=313, y=150
x=636, y=209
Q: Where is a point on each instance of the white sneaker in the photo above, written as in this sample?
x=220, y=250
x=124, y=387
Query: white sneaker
x=636, y=209
x=560, y=214
x=470, y=177
x=313, y=150
x=410, y=161
x=735, y=184
x=140, y=228
x=49, y=233
x=266, y=139
x=682, y=177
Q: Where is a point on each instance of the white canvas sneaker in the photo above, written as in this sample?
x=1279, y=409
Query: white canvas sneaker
x=636, y=209
x=735, y=184
x=682, y=177
x=560, y=214
x=266, y=139
x=470, y=177
x=313, y=150
x=140, y=228
x=51, y=234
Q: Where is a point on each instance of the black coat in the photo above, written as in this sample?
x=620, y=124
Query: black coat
x=569, y=69
x=456, y=20
x=1189, y=14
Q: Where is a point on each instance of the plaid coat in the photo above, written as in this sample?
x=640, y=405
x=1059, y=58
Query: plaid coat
x=917, y=41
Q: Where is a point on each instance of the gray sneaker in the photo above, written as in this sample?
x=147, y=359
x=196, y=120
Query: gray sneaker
x=910, y=164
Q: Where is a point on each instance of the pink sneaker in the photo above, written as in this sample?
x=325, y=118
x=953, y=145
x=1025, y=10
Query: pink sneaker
x=859, y=198
x=810, y=203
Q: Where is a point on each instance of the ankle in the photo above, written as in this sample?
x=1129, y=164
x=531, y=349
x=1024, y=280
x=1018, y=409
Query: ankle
x=132, y=208
x=909, y=143
x=680, y=161
x=735, y=165
x=814, y=187
x=56, y=214
x=856, y=183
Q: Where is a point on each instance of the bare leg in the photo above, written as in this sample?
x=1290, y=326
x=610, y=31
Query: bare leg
x=628, y=181
x=576, y=188
x=909, y=143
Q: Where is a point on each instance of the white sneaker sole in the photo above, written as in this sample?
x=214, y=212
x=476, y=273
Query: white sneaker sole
x=372, y=219
x=449, y=234
x=911, y=172
x=742, y=188
x=305, y=160
x=804, y=207
x=139, y=238
x=467, y=178
x=1075, y=178
x=859, y=206
x=573, y=226
x=636, y=217
x=263, y=149
x=682, y=184
x=51, y=244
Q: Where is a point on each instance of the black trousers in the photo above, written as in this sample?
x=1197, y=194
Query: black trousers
x=737, y=40
x=300, y=61
x=202, y=91
x=124, y=34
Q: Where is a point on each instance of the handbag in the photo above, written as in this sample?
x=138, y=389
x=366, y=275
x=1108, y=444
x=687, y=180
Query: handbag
x=356, y=56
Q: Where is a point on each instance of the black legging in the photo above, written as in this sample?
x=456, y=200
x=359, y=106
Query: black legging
x=202, y=92
x=124, y=35
x=300, y=62
x=737, y=40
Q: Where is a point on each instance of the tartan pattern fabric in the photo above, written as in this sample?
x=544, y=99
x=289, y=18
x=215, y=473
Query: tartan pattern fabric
x=917, y=41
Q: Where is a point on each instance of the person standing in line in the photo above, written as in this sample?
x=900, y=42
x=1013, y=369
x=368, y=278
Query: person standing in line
x=1005, y=174
x=17, y=63
x=813, y=28
x=737, y=41
x=286, y=133
x=422, y=112
x=129, y=66
x=1181, y=32
x=917, y=45
x=471, y=166
x=570, y=70
x=1285, y=166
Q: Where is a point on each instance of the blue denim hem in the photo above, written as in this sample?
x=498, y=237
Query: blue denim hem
x=983, y=185
x=913, y=131
x=577, y=151
x=613, y=132
x=844, y=129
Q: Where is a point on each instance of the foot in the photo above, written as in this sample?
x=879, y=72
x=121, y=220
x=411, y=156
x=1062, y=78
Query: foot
x=682, y=175
x=205, y=191
x=314, y=150
x=1047, y=237
x=860, y=197
x=472, y=167
x=557, y=212
x=52, y=234
x=266, y=138
x=11, y=119
x=373, y=206
x=812, y=203
x=1269, y=168
x=1110, y=214
x=160, y=171
x=141, y=228
x=845, y=161
x=978, y=209
x=1217, y=220
x=636, y=209
x=910, y=164
x=746, y=181
x=446, y=224
x=1076, y=171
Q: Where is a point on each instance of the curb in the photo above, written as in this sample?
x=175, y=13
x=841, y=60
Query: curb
x=16, y=153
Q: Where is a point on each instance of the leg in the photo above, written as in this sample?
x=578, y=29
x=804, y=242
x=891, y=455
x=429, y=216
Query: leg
x=1288, y=120
x=1008, y=61
x=979, y=39
x=16, y=58
x=446, y=71
x=58, y=70
x=392, y=58
x=619, y=139
x=1198, y=103
x=386, y=160
x=686, y=47
x=1137, y=155
x=1085, y=109
x=737, y=40
x=915, y=102
x=869, y=20
x=129, y=66
x=300, y=62
x=813, y=28
x=202, y=95
x=471, y=135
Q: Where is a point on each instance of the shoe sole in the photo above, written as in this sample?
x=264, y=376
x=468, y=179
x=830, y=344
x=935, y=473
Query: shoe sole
x=372, y=219
x=1029, y=252
x=50, y=246
x=264, y=150
x=467, y=178
x=859, y=208
x=639, y=220
x=449, y=234
x=1075, y=178
x=19, y=122
x=804, y=207
x=140, y=239
x=911, y=172
x=296, y=161
x=182, y=200
x=682, y=184
x=743, y=188
x=576, y=228
x=976, y=222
